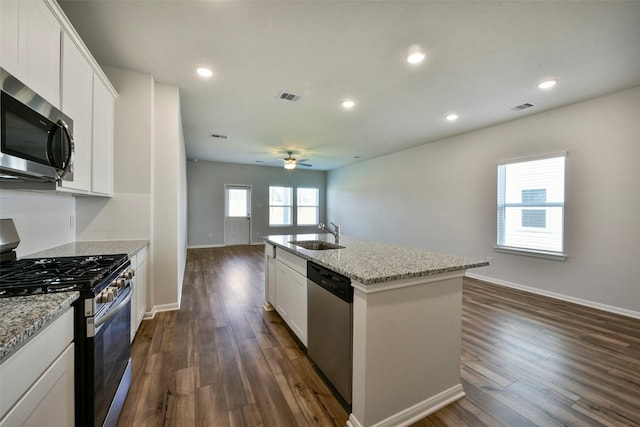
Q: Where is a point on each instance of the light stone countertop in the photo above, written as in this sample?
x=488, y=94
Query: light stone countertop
x=105, y=247
x=369, y=262
x=23, y=317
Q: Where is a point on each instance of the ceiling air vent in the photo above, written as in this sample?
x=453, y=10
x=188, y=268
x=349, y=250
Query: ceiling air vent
x=218, y=136
x=522, y=107
x=289, y=96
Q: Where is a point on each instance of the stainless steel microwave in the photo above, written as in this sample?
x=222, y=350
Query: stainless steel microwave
x=36, y=138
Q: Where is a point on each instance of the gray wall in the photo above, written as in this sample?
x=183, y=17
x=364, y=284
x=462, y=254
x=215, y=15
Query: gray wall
x=206, y=181
x=442, y=196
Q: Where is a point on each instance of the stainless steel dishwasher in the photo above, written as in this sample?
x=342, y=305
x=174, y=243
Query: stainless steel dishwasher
x=330, y=326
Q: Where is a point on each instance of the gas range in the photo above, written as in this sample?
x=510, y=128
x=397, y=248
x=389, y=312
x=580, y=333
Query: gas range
x=102, y=325
x=88, y=275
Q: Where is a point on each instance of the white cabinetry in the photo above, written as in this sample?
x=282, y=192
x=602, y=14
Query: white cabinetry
x=10, y=37
x=77, y=100
x=37, y=382
x=39, y=46
x=103, y=122
x=30, y=46
x=291, y=292
x=269, y=276
x=139, y=299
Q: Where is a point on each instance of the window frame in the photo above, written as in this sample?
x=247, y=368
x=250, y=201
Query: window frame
x=502, y=207
x=316, y=206
x=290, y=206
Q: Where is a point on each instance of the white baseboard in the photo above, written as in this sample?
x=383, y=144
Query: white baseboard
x=418, y=411
x=218, y=246
x=160, y=308
x=204, y=246
x=562, y=297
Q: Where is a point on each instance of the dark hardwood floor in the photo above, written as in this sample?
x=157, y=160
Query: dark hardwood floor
x=526, y=360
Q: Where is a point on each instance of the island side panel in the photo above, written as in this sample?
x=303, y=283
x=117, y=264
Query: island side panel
x=406, y=349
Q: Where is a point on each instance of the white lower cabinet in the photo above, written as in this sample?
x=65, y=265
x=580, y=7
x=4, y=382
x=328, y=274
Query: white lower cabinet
x=37, y=382
x=291, y=298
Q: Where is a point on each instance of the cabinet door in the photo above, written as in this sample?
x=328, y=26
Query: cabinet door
x=42, y=51
x=77, y=94
x=10, y=37
x=271, y=280
x=50, y=401
x=141, y=290
x=102, y=174
x=291, y=302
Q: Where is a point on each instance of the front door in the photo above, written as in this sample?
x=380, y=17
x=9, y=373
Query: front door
x=237, y=221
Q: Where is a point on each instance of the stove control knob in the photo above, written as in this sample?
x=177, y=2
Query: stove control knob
x=102, y=297
x=120, y=283
x=129, y=273
x=112, y=293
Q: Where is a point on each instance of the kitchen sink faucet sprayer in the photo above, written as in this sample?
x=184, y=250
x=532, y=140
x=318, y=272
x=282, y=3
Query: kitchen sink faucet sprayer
x=335, y=233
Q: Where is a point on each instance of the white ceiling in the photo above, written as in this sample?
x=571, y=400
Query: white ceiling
x=483, y=58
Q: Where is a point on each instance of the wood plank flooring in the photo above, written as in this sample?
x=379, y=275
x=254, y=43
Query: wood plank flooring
x=526, y=360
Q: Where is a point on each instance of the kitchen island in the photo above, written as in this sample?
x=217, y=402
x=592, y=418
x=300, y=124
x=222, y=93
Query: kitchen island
x=406, y=324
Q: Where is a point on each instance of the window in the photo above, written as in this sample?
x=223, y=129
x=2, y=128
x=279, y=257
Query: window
x=307, y=206
x=531, y=206
x=280, y=206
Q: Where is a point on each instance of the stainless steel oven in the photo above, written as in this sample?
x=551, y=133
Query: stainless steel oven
x=107, y=359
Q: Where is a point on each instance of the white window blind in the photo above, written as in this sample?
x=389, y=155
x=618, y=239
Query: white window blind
x=531, y=205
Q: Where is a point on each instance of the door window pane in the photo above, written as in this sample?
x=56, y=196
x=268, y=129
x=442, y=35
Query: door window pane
x=237, y=202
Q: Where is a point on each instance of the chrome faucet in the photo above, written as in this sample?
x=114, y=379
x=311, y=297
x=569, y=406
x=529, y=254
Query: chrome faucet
x=335, y=233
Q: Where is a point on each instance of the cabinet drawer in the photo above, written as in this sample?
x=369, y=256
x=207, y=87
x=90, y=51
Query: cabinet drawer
x=293, y=261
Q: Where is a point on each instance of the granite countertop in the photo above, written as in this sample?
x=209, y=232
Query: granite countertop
x=106, y=247
x=369, y=262
x=23, y=317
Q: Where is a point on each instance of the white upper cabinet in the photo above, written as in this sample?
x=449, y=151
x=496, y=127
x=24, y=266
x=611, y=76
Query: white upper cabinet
x=10, y=37
x=43, y=51
x=30, y=46
x=102, y=171
x=77, y=103
x=40, y=47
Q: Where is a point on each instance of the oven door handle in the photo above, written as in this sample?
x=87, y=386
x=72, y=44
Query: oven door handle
x=115, y=310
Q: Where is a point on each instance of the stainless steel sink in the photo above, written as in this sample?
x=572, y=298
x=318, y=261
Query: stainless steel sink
x=315, y=245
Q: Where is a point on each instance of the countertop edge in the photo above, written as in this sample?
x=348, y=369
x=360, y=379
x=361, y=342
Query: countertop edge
x=24, y=317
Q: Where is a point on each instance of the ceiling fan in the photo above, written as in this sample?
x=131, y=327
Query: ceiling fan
x=290, y=162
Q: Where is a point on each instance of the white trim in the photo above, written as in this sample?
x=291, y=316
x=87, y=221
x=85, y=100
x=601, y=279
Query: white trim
x=532, y=158
x=556, y=256
x=418, y=411
x=562, y=297
x=205, y=246
x=160, y=308
x=405, y=283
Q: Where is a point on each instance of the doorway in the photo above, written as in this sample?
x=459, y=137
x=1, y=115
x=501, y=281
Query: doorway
x=237, y=218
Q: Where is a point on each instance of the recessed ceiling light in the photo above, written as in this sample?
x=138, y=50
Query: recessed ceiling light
x=547, y=84
x=204, y=72
x=452, y=117
x=416, y=57
x=348, y=104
